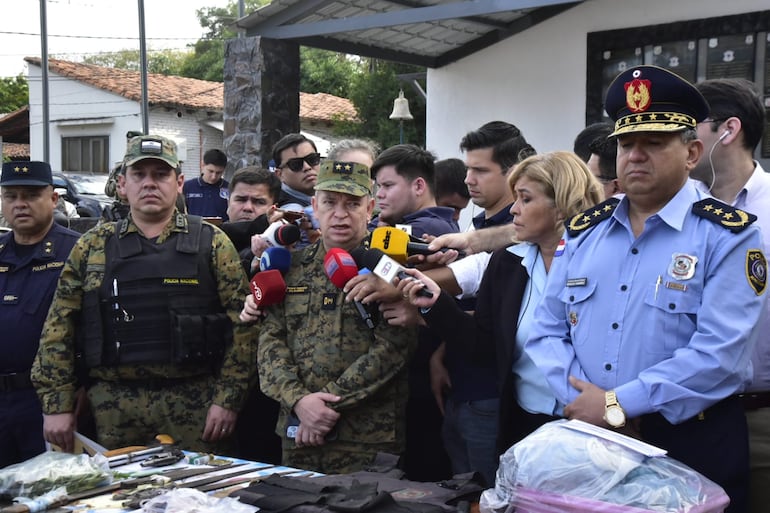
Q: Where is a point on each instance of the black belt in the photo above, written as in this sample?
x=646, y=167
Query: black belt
x=713, y=411
x=15, y=381
x=755, y=400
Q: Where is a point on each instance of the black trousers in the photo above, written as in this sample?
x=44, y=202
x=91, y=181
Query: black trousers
x=715, y=443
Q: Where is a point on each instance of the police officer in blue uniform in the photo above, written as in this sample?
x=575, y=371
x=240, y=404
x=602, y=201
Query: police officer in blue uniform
x=650, y=314
x=31, y=257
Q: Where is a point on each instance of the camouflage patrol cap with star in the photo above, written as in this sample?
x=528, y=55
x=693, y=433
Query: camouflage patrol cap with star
x=150, y=147
x=32, y=173
x=348, y=177
x=653, y=99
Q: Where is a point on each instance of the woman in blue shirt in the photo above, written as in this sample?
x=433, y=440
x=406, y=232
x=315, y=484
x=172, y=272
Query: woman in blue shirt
x=547, y=189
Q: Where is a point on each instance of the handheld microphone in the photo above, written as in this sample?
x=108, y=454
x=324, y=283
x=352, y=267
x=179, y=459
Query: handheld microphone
x=341, y=268
x=398, y=245
x=240, y=232
x=281, y=234
x=277, y=257
x=385, y=267
x=268, y=288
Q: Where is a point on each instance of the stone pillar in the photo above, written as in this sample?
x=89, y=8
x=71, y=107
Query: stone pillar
x=261, y=98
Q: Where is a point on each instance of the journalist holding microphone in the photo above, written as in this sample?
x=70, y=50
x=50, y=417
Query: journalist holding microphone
x=341, y=384
x=547, y=189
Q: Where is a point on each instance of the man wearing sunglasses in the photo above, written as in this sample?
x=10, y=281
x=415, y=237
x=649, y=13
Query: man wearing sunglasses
x=296, y=163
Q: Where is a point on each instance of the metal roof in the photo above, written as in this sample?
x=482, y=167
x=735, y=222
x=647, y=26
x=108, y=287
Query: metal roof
x=430, y=33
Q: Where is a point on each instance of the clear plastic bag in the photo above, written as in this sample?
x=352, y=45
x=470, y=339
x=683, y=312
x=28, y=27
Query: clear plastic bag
x=50, y=470
x=557, y=469
x=188, y=500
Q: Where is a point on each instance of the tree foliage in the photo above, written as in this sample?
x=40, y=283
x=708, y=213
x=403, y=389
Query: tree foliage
x=322, y=71
x=370, y=84
x=372, y=92
x=208, y=57
x=165, y=62
x=14, y=93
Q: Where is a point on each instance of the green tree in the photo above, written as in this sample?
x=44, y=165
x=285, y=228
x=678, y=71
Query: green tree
x=372, y=93
x=371, y=84
x=322, y=71
x=207, y=59
x=14, y=93
x=165, y=62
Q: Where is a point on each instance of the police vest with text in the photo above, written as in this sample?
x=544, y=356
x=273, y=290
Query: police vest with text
x=158, y=303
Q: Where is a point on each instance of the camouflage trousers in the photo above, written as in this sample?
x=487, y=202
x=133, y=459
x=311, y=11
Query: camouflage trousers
x=133, y=413
x=337, y=457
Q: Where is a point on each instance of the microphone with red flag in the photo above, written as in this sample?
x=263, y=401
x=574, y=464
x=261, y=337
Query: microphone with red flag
x=341, y=268
x=268, y=288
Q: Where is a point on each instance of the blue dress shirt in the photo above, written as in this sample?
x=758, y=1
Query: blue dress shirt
x=619, y=314
x=532, y=390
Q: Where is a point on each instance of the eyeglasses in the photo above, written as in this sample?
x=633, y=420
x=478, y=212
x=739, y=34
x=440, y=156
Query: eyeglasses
x=298, y=164
x=717, y=120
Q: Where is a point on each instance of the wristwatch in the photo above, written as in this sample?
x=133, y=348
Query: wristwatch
x=614, y=414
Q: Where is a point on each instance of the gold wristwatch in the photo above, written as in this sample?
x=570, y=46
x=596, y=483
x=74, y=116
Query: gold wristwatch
x=614, y=414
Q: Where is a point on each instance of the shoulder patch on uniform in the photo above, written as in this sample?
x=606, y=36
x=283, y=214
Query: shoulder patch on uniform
x=734, y=219
x=591, y=217
x=756, y=270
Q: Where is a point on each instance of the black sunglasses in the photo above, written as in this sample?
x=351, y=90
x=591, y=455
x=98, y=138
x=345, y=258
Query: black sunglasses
x=297, y=164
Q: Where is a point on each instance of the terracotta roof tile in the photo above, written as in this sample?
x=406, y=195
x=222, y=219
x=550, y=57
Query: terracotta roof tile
x=16, y=151
x=325, y=107
x=184, y=92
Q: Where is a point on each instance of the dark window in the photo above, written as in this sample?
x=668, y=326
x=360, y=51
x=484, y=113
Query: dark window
x=85, y=154
x=725, y=47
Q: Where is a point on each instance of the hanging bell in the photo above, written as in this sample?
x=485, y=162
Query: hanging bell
x=401, y=108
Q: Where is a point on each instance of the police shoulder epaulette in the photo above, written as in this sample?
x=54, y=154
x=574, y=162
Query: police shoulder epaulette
x=734, y=219
x=591, y=217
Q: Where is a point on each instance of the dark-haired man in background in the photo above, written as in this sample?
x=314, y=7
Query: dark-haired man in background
x=728, y=170
x=206, y=195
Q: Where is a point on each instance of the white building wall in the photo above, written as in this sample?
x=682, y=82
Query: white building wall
x=537, y=79
x=77, y=109
x=101, y=113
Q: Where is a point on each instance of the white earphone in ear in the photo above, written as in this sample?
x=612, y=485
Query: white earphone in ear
x=725, y=134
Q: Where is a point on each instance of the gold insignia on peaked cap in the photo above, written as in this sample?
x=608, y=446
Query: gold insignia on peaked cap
x=653, y=99
x=347, y=177
x=756, y=270
x=150, y=147
x=591, y=217
x=734, y=219
x=34, y=173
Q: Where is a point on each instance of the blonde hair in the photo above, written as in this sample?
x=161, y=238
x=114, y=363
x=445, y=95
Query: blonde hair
x=565, y=179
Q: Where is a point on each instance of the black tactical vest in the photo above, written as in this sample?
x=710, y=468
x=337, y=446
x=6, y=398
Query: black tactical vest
x=158, y=303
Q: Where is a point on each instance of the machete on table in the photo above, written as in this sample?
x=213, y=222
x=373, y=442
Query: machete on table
x=168, y=476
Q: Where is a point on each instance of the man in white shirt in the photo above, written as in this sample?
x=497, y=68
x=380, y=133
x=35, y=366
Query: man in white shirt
x=728, y=170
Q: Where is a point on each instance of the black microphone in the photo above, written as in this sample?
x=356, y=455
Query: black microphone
x=240, y=232
x=385, y=267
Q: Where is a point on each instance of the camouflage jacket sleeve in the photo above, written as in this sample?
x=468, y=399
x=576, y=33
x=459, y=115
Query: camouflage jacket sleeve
x=53, y=371
x=239, y=364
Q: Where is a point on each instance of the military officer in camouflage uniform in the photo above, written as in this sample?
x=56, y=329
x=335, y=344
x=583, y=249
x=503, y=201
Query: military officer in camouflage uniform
x=342, y=386
x=148, y=306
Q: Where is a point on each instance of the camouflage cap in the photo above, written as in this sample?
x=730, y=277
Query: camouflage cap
x=150, y=147
x=348, y=177
x=26, y=172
